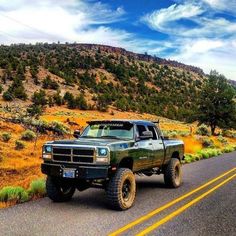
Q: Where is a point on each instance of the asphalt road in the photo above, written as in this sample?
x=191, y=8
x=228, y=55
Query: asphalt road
x=213, y=211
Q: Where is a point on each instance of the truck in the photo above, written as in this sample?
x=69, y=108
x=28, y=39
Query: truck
x=107, y=155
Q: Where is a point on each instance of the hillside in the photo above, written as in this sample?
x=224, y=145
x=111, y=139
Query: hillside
x=96, y=77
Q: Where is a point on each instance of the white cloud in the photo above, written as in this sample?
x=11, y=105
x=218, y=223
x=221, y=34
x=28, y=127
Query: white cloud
x=48, y=20
x=209, y=42
x=162, y=19
x=208, y=55
x=224, y=5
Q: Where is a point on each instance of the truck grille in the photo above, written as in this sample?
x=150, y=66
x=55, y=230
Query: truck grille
x=73, y=155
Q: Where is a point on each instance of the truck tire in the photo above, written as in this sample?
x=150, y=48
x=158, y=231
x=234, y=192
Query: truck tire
x=173, y=173
x=59, y=191
x=121, y=189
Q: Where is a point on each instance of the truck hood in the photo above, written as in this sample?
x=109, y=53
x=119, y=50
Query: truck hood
x=87, y=142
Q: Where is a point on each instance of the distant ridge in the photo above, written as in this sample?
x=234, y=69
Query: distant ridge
x=140, y=56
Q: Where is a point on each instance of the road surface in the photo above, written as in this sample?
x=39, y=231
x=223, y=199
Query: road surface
x=209, y=208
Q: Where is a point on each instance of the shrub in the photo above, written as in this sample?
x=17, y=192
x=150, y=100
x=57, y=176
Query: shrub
x=14, y=194
x=48, y=83
x=59, y=128
x=6, y=137
x=222, y=140
x=206, y=142
x=1, y=89
x=7, y=96
x=228, y=149
x=28, y=135
x=203, y=130
x=228, y=134
x=37, y=188
x=19, y=145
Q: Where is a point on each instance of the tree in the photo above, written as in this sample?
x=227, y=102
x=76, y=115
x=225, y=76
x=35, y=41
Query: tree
x=81, y=102
x=216, y=105
x=39, y=98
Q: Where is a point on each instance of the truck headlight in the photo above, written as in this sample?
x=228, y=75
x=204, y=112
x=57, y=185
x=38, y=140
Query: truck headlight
x=102, y=155
x=102, y=152
x=47, y=152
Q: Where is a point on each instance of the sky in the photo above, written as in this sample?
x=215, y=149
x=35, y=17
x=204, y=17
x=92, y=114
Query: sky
x=196, y=32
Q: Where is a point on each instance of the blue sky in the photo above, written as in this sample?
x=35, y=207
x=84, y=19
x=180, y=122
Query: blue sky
x=200, y=33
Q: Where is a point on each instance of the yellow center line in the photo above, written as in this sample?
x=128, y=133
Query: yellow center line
x=183, y=208
x=158, y=210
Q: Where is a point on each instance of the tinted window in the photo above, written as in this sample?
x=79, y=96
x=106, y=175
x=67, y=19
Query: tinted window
x=141, y=128
x=152, y=129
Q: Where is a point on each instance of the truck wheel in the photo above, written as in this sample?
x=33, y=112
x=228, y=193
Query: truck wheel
x=121, y=189
x=59, y=191
x=173, y=173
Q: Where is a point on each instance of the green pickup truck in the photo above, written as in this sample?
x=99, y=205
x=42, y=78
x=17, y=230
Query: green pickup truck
x=107, y=155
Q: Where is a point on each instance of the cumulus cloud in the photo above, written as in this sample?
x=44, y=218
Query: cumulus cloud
x=47, y=20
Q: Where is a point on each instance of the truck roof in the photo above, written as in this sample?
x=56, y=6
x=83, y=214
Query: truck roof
x=137, y=122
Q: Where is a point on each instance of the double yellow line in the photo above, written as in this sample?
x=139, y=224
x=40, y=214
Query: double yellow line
x=179, y=210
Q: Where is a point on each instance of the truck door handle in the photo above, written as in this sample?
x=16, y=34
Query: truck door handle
x=150, y=144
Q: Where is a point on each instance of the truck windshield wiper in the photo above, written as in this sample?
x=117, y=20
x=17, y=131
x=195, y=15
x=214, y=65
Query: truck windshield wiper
x=87, y=136
x=109, y=136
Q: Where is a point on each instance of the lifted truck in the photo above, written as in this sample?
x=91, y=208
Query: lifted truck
x=107, y=155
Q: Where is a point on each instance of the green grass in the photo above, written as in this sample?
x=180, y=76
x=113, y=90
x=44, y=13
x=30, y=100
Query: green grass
x=13, y=194
x=207, y=153
x=20, y=195
x=37, y=188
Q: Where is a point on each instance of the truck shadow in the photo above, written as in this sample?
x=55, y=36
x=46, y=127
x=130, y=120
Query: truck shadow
x=96, y=198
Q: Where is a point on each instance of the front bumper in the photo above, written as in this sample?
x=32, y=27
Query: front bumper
x=82, y=172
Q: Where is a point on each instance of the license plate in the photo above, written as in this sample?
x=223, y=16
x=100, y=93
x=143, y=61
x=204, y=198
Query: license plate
x=68, y=173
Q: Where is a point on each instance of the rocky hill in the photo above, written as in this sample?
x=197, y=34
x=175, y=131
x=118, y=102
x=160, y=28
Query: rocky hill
x=88, y=76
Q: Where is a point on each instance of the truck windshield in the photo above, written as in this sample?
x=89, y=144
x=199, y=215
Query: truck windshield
x=109, y=130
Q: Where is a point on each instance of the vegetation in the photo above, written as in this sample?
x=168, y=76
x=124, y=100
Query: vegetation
x=13, y=194
x=37, y=188
x=6, y=136
x=216, y=105
x=203, y=130
x=28, y=135
x=19, y=145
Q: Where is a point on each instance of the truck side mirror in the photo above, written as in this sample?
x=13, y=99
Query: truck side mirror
x=146, y=135
x=76, y=134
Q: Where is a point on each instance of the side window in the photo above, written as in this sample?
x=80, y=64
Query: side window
x=152, y=129
x=140, y=129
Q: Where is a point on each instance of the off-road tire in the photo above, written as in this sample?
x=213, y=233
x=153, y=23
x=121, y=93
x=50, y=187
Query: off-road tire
x=121, y=189
x=55, y=191
x=173, y=173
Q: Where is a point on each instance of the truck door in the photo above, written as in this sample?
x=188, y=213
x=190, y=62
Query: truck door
x=144, y=150
x=158, y=147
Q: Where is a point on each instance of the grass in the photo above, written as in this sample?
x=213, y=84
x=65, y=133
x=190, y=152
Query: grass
x=37, y=188
x=17, y=194
x=14, y=194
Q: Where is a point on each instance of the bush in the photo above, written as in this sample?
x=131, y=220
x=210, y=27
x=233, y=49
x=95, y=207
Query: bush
x=37, y=188
x=222, y=140
x=207, y=143
x=7, y=96
x=59, y=128
x=1, y=89
x=13, y=194
x=19, y=145
x=228, y=149
x=203, y=130
x=228, y=134
x=28, y=135
x=6, y=137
